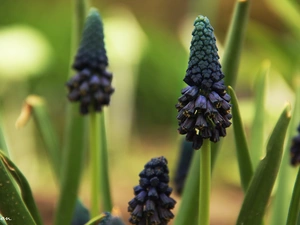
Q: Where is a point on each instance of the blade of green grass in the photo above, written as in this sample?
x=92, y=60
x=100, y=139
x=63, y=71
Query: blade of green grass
x=234, y=41
x=242, y=150
x=72, y=160
x=188, y=209
x=50, y=139
x=25, y=188
x=294, y=209
x=96, y=219
x=72, y=165
x=3, y=145
x=2, y=221
x=11, y=204
x=48, y=134
x=260, y=188
x=232, y=52
x=257, y=130
x=289, y=13
x=282, y=196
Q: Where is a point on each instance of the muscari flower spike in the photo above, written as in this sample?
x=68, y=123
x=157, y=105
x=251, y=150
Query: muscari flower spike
x=295, y=149
x=152, y=202
x=91, y=86
x=203, y=108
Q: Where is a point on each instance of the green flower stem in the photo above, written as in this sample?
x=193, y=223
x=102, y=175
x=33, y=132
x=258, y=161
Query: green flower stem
x=105, y=184
x=295, y=203
x=94, y=141
x=205, y=183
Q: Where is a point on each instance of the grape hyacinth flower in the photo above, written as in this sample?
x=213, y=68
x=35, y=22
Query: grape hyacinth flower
x=203, y=108
x=91, y=86
x=152, y=202
x=295, y=149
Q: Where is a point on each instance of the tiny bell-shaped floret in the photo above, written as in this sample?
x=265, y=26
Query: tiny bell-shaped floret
x=152, y=203
x=91, y=86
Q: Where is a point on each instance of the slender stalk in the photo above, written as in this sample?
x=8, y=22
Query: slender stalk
x=95, y=162
x=105, y=185
x=295, y=203
x=205, y=183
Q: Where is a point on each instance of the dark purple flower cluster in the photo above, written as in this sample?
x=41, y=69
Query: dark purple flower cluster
x=203, y=108
x=152, y=202
x=91, y=86
x=295, y=149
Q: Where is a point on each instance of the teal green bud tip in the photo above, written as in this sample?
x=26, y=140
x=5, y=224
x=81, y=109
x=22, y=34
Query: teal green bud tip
x=204, y=68
x=92, y=53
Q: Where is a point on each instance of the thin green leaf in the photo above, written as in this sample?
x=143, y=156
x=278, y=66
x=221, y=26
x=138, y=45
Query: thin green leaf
x=242, y=150
x=257, y=130
x=12, y=206
x=72, y=165
x=2, y=220
x=260, y=188
x=188, y=209
x=289, y=13
x=48, y=134
x=38, y=108
x=25, y=188
x=234, y=41
x=286, y=174
x=295, y=203
x=96, y=219
x=3, y=145
x=231, y=57
x=279, y=51
x=73, y=157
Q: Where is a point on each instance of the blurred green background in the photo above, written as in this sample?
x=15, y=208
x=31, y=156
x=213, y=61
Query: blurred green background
x=147, y=44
